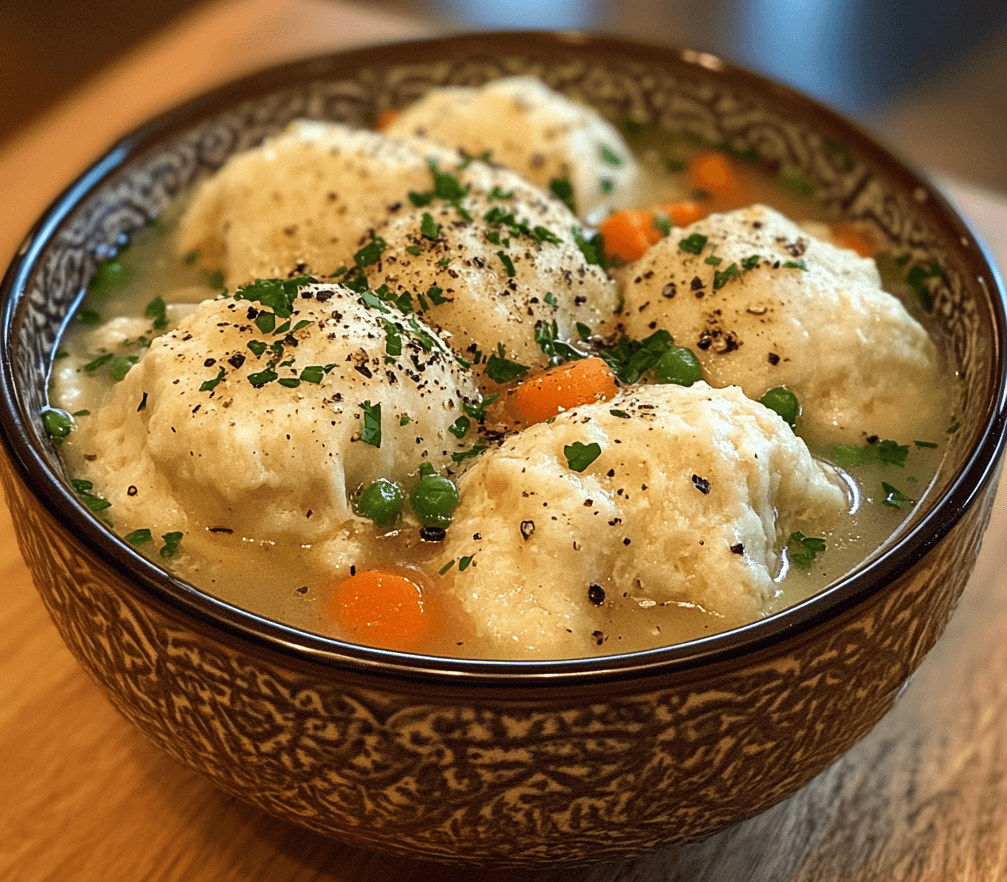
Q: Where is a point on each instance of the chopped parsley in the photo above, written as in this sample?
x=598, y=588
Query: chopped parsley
x=459, y=428
x=497, y=193
x=885, y=452
x=57, y=424
x=370, y=253
x=547, y=338
x=88, y=316
x=257, y=347
x=475, y=450
x=444, y=569
x=313, y=373
x=592, y=247
x=502, y=369
x=139, y=537
x=630, y=359
x=928, y=445
x=796, y=264
x=894, y=498
x=802, y=549
x=436, y=295
x=579, y=456
x=609, y=156
x=508, y=263
x=478, y=411
x=263, y=377
x=750, y=262
x=111, y=273
x=429, y=227
x=562, y=188
x=171, y=544
x=414, y=250
x=83, y=490
x=693, y=244
x=157, y=312
x=722, y=277
x=371, y=433
x=99, y=361
x=210, y=385
x=463, y=563
x=120, y=366
x=550, y=298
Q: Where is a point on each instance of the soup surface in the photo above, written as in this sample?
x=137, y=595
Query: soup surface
x=375, y=388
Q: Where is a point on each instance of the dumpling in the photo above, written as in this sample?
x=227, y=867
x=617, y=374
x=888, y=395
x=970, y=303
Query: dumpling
x=685, y=500
x=301, y=202
x=537, y=132
x=503, y=261
x=227, y=424
x=763, y=304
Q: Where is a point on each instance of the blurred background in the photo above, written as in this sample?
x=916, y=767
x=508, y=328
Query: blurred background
x=927, y=76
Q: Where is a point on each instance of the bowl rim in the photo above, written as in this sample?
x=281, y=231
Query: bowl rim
x=172, y=593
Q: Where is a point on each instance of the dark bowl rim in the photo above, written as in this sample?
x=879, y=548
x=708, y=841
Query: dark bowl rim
x=791, y=623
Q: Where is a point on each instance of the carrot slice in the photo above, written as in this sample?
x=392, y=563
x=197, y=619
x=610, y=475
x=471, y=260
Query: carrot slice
x=380, y=608
x=557, y=389
x=714, y=173
x=683, y=213
x=847, y=235
x=628, y=234
x=387, y=117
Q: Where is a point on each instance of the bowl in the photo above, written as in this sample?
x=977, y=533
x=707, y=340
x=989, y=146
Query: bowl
x=494, y=763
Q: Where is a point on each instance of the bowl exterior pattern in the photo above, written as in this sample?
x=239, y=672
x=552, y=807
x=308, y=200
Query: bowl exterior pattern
x=475, y=773
x=494, y=777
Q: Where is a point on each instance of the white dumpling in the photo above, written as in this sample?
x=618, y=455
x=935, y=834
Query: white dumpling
x=301, y=202
x=504, y=259
x=534, y=130
x=692, y=493
x=804, y=315
x=203, y=433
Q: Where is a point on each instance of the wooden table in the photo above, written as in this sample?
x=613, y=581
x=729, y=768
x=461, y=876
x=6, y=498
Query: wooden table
x=84, y=796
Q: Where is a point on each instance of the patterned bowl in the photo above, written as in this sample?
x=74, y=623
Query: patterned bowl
x=500, y=763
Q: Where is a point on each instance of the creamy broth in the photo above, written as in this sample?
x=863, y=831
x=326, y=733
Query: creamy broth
x=147, y=289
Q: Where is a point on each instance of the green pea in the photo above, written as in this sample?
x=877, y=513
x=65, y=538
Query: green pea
x=678, y=365
x=381, y=501
x=57, y=423
x=784, y=402
x=434, y=499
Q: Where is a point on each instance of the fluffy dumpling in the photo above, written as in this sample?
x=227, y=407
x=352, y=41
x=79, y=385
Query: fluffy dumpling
x=528, y=127
x=763, y=304
x=229, y=424
x=301, y=201
x=686, y=500
x=502, y=261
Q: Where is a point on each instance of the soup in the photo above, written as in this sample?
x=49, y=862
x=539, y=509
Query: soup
x=455, y=420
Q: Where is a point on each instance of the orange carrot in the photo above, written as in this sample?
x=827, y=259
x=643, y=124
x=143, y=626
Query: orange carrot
x=683, y=213
x=557, y=389
x=628, y=234
x=714, y=173
x=380, y=608
x=847, y=235
x=387, y=117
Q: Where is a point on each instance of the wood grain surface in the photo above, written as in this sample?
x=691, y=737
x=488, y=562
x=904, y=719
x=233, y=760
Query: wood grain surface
x=85, y=797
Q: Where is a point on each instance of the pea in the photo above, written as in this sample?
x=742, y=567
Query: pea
x=784, y=402
x=381, y=501
x=57, y=423
x=434, y=499
x=679, y=366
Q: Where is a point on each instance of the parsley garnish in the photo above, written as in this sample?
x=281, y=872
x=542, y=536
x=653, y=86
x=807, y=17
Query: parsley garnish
x=414, y=250
x=593, y=248
x=550, y=298
x=479, y=447
x=157, y=311
x=371, y=433
x=894, y=498
x=497, y=193
x=478, y=411
x=120, y=366
x=508, y=263
x=83, y=490
x=630, y=359
x=502, y=369
x=579, y=456
x=139, y=537
x=929, y=445
x=446, y=185
x=88, y=316
x=257, y=347
x=693, y=244
x=796, y=264
x=802, y=549
x=547, y=338
x=57, y=424
x=262, y=378
x=885, y=452
x=562, y=188
x=210, y=385
x=171, y=543
x=313, y=373
x=370, y=253
x=436, y=295
x=620, y=414
x=421, y=200
x=721, y=278
x=459, y=428
x=750, y=262
x=444, y=569
x=463, y=563
x=99, y=361
x=429, y=227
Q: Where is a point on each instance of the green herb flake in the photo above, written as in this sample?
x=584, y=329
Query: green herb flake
x=265, y=322
x=83, y=490
x=257, y=347
x=693, y=244
x=547, y=338
x=99, y=361
x=261, y=378
x=371, y=433
x=579, y=456
x=290, y=382
x=111, y=273
x=463, y=563
x=463, y=455
x=894, y=498
x=607, y=185
x=792, y=181
x=478, y=411
x=120, y=366
x=414, y=250
x=750, y=262
x=502, y=369
x=370, y=253
x=172, y=541
x=79, y=413
x=497, y=193
x=722, y=277
x=714, y=261
x=550, y=298
x=157, y=312
x=88, y=316
x=629, y=359
x=619, y=414
x=444, y=261
x=139, y=537
x=592, y=247
x=429, y=227
x=403, y=420
x=436, y=295
x=444, y=569
x=62, y=353
x=562, y=188
x=508, y=264
x=313, y=373
x=210, y=385
x=460, y=427
x=421, y=200
x=446, y=185
x=886, y=452
x=214, y=279
x=927, y=445
x=583, y=331
x=191, y=258
x=796, y=264
x=802, y=549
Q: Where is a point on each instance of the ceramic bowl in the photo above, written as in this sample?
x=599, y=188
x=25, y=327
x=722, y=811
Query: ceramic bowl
x=500, y=763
